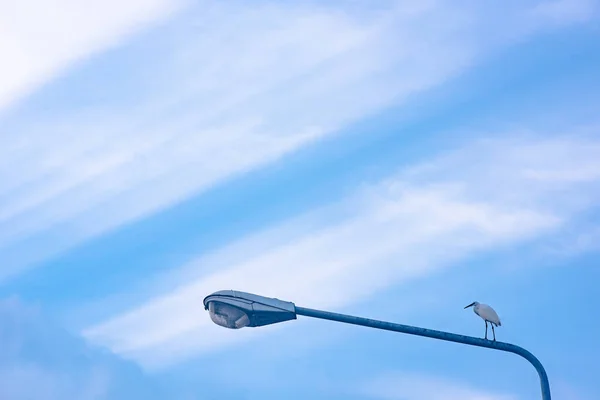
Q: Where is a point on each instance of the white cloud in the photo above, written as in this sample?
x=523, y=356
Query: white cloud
x=411, y=386
x=245, y=88
x=321, y=269
x=227, y=88
x=40, y=39
x=408, y=226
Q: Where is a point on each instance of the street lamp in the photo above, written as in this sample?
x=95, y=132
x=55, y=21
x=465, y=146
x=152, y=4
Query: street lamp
x=234, y=310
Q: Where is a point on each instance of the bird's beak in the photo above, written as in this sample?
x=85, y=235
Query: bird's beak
x=473, y=303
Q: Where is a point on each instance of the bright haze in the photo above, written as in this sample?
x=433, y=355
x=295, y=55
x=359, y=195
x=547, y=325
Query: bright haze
x=391, y=159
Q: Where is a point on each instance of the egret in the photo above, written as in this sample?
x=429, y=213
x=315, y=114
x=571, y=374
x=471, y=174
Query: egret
x=488, y=314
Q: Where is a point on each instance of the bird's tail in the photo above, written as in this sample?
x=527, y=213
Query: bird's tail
x=499, y=323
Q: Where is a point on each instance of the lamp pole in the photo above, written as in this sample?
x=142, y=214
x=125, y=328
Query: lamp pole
x=235, y=310
x=433, y=334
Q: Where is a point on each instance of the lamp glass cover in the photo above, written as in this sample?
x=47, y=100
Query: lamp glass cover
x=227, y=316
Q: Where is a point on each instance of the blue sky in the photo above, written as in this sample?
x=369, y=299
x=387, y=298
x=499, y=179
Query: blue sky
x=396, y=160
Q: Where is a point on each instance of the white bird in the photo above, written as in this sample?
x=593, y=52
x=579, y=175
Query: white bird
x=488, y=314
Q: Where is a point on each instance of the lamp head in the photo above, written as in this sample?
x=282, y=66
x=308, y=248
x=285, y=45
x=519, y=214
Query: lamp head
x=234, y=310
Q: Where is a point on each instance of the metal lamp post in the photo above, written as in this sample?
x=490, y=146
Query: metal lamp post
x=234, y=310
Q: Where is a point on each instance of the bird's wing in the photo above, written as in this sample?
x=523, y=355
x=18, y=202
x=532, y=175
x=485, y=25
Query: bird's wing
x=488, y=313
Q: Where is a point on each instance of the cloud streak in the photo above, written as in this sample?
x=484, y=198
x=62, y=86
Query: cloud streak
x=409, y=226
x=37, y=40
x=224, y=89
x=272, y=88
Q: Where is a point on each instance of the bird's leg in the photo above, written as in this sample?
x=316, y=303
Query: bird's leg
x=486, y=330
x=494, y=332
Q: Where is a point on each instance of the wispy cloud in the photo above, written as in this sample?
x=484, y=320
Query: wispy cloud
x=230, y=105
x=227, y=88
x=39, y=40
x=411, y=386
x=411, y=225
